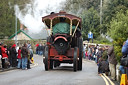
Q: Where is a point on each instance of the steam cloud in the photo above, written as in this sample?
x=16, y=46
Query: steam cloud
x=31, y=15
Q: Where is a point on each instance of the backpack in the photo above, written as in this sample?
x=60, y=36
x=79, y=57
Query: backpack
x=125, y=48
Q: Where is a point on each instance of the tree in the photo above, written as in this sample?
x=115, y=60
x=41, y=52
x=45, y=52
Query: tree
x=110, y=7
x=119, y=31
x=7, y=16
x=90, y=22
x=77, y=6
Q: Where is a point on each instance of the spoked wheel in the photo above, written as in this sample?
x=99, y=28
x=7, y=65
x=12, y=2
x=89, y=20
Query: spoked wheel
x=47, y=61
x=75, y=59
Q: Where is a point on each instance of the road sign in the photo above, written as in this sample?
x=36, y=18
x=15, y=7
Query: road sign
x=90, y=35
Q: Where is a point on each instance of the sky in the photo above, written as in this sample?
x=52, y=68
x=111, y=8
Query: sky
x=34, y=12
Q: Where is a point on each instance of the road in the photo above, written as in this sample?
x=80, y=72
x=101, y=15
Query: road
x=63, y=75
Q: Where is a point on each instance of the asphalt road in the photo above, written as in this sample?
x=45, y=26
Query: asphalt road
x=63, y=75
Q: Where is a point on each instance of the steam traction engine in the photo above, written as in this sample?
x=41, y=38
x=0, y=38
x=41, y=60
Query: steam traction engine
x=65, y=43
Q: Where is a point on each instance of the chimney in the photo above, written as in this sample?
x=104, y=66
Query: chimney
x=21, y=26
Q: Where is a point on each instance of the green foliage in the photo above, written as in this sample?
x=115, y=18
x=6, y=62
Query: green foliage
x=90, y=22
x=102, y=40
x=117, y=48
x=119, y=26
x=88, y=10
x=110, y=8
x=7, y=16
x=119, y=31
x=77, y=6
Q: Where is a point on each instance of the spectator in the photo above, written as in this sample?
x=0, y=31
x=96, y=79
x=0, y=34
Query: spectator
x=31, y=52
x=4, y=56
x=9, y=56
x=37, y=50
x=30, y=57
x=89, y=52
x=0, y=54
x=40, y=49
x=24, y=52
x=96, y=54
x=112, y=62
x=84, y=48
x=86, y=54
x=19, y=58
x=103, y=67
x=28, y=61
x=14, y=55
x=124, y=52
x=99, y=54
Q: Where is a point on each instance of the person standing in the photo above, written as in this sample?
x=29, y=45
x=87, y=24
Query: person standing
x=0, y=54
x=19, y=58
x=4, y=56
x=30, y=55
x=84, y=49
x=9, y=55
x=112, y=62
x=31, y=52
x=39, y=50
x=14, y=55
x=89, y=52
x=24, y=52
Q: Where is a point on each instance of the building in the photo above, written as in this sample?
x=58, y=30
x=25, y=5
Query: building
x=24, y=34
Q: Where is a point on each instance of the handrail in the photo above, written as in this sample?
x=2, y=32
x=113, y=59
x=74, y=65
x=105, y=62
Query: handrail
x=51, y=26
x=76, y=28
x=70, y=27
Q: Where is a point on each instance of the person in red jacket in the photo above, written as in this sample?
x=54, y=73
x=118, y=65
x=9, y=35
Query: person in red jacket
x=4, y=55
x=19, y=58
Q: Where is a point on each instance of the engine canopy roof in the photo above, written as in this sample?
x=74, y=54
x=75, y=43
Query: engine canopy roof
x=55, y=19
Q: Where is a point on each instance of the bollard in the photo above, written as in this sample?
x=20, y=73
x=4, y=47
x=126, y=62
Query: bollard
x=123, y=79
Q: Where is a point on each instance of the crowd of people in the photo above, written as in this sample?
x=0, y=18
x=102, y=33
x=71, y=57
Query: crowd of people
x=40, y=49
x=19, y=57
x=103, y=56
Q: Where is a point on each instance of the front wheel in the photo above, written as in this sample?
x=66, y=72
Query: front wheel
x=75, y=61
x=46, y=60
x=80, y=46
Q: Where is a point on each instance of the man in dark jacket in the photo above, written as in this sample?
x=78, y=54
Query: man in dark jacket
x=24, y=52
x=103, y=64
x=112, y=62
x=13, y=55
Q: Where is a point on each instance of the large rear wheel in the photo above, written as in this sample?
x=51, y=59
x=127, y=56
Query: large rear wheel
x=75, y=59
